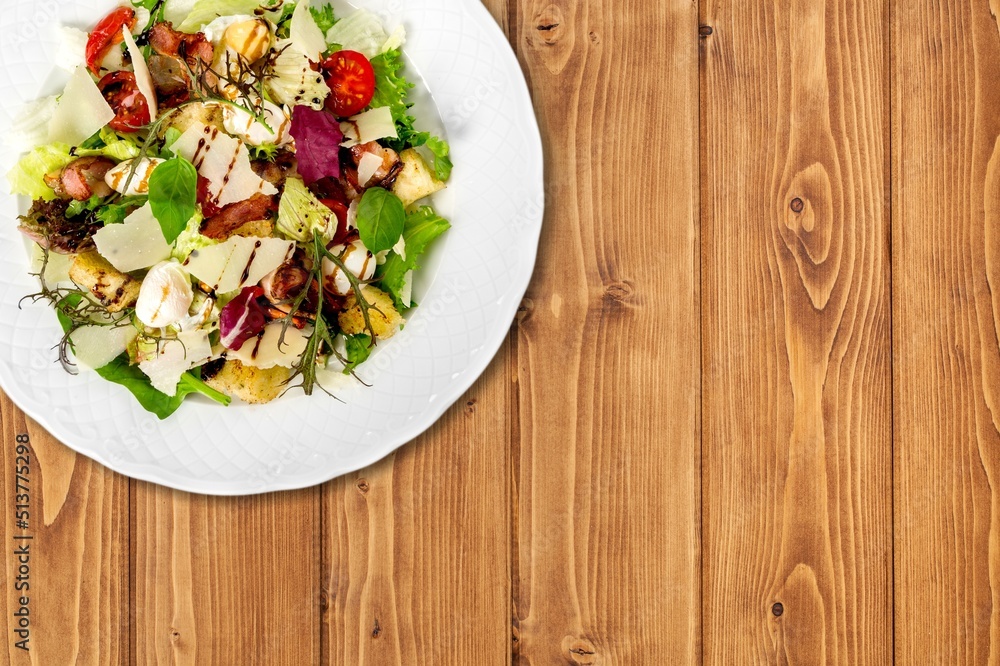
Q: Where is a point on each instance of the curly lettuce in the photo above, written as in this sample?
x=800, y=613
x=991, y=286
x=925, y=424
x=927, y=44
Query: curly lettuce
x=419, y=231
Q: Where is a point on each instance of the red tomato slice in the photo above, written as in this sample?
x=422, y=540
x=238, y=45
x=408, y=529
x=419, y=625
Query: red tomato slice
x=130, y=107
x=351, y=80
x=107, y=33
x=341, y=211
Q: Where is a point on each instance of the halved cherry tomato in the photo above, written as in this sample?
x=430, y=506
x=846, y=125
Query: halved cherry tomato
x=130, y=107
x=341, y=212
x=107, y=33
x=351, y=79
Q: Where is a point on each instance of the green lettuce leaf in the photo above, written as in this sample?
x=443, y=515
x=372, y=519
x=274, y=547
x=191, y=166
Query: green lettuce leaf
x=206, y=11
x=300, y=213
x=26, y=176
x=359, y=348
x=420, y=230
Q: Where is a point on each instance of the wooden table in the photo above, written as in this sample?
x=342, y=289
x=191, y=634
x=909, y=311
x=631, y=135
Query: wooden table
x=749, y=411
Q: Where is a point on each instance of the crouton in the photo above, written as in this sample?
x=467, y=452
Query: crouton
x=255, y=229
x=416, y=180
x=115, y=290
x=184, y=117
x=249, y=384
x=384, y=318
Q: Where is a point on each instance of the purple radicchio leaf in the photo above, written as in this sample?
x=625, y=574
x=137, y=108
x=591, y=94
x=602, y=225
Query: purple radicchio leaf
x=317, y=143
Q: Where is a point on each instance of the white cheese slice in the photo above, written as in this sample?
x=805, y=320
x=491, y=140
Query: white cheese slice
x=96, y=346
x=406, y=293
x=367, y=166
x=81, y=112
x=175, y=357
x=264, y=351
x=305, y=34
x=238, y=262
x=137, y=243
x=142, y=78
x=373, y=124
x=224, y=162
x=400, y=247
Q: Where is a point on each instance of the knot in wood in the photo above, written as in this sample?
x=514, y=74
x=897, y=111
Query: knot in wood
x=579, y=650
x=777, y=609
x=797, y=205
x=549, y=24
x=362, y=486
x=704, y=30
x=619, y=291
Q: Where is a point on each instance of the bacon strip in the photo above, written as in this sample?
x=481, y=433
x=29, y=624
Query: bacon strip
x=235, y=215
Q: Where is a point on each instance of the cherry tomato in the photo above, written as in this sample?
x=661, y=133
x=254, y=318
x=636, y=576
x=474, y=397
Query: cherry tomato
x=340, y=210
x=130, y=107
x=351, y=80
x=107, y=33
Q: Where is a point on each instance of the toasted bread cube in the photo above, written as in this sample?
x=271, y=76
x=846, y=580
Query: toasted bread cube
x=115, y=290
x=184, y=117
x=384, y=318
x=255, y=229
x=416, y=180
x=250, y=384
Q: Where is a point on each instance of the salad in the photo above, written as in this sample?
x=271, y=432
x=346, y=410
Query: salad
x=229, y=198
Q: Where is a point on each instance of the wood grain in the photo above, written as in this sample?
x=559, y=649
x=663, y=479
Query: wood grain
x=416, y=547
x=225, y=580
x=606, y=465
x=77, y=583
x=796, y=402
x=946, y=282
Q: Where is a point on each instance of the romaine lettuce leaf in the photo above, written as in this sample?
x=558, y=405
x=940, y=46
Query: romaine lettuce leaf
x=26, y=176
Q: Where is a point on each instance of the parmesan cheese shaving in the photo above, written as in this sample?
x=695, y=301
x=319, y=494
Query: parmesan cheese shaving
x=369, y=126
x=367, y=167
x=142, y=77
x=82, y=111
x=305, y=34
x=136, y=244
x=175, y=357
x=264, y=351
x=238, y=262
x=224, y=162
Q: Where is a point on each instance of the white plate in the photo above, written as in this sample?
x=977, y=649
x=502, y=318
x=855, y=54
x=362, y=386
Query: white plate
x=468, y=295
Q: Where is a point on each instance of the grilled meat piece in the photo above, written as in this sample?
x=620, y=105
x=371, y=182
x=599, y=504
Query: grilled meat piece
x=82, y=179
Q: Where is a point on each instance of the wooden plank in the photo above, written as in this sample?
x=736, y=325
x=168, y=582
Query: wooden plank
x=76, y=578
x=606, y=566
x=416, y=547
x=946, y=282
x=796, y=341
x=225, y=580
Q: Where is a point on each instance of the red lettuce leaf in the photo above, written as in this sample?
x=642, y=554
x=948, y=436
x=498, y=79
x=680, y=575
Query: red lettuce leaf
x=317, y=143
x=242, y=318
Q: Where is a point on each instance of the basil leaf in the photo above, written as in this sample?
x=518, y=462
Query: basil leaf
x=380, y=219
x=173, y=196
x=359, y=348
